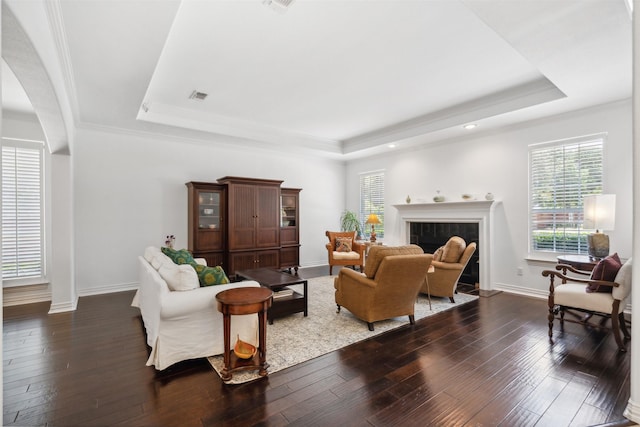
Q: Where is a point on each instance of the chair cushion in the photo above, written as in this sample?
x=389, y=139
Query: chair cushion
x=378, y=252
x=346, y=255
x=209, y=276
x=343, y=244
x=181, y=256
x=453, y=249
x=150, y=252
x=606, y=270
x=179, y=277
x=573, y=295
x=437, y=255
x=159, y=260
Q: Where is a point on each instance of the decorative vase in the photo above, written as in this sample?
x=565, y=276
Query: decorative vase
x=489, y=196
x=438, y=198
x=408, y=199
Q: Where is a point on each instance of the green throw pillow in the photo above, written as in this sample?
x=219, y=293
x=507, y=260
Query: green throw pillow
x=181, y=256
x=209, y=276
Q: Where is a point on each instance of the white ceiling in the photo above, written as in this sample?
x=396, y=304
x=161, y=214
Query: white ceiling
x=342, y=78
x=13, y=96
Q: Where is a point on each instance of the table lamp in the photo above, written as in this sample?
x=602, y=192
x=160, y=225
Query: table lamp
x=599, y=214
x=373, y=220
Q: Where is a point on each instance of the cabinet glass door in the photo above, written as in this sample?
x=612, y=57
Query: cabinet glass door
x=288, y=212
x=208, y=210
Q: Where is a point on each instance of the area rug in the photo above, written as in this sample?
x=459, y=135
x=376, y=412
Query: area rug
x=294, y=339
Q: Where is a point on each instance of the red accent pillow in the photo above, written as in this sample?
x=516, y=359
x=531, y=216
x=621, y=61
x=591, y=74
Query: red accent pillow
x=606, y=270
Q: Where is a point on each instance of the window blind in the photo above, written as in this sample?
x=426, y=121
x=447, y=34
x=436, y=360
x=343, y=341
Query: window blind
x=22, y=210
x=561, y=175
x=372, y=200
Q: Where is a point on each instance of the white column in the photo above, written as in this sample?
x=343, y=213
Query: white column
x=62, y=276
x=632, y=411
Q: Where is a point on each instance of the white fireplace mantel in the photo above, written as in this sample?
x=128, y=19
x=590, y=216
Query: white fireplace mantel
x=472, y=211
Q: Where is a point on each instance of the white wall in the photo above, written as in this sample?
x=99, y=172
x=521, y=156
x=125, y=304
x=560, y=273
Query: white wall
x=130, y=192
x=498, y=163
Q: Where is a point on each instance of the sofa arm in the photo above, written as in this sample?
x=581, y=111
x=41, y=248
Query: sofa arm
x=182, y=303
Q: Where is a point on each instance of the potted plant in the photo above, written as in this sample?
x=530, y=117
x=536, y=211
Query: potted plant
x=349, y=222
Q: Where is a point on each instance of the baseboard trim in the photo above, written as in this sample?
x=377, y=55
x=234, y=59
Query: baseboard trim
x=63, y=307
x=121, y=287
x=528, y=292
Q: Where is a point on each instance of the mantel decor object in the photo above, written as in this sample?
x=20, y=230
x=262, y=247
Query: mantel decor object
x=438, y=197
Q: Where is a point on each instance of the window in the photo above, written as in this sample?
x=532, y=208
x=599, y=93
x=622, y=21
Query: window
x=22, y=210
x=372, y=200
x=561, y=175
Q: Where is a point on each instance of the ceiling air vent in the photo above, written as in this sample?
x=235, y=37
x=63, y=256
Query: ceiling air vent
x=277, y=5
x=198, y=95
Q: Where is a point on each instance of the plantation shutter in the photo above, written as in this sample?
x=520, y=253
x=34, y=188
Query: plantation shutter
x=372, y=200
x=561, y=175
x=22, y=230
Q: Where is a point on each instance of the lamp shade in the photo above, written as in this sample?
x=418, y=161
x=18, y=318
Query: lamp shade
x=599, y=212
x=373, y=219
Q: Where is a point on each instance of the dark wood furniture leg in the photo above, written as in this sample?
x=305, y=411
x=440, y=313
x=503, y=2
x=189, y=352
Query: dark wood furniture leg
x=262, y=351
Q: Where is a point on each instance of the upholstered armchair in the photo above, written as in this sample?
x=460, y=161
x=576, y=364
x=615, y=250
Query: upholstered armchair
x=606, y=297
x=343, y=249
x=448, y=263
x=389, y=286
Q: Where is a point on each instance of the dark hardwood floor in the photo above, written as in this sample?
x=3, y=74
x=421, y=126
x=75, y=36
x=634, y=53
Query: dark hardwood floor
x=486, y=363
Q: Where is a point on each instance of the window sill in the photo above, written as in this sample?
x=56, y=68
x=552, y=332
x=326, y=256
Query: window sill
x=29, y=281
x=545, y=258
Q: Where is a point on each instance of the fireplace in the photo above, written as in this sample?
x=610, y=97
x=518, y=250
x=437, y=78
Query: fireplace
x=431, y=235
x=471, y=220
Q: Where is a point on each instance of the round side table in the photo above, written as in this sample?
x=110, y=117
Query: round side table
x=239, y=301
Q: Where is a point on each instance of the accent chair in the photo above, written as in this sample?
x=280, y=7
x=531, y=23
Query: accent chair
x=389, y=286
x=343, y=250
x=590, y=296
x=449, y=261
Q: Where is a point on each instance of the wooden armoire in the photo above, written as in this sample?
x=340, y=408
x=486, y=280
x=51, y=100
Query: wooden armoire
x=244, y=223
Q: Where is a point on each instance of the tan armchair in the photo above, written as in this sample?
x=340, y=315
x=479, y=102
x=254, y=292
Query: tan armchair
x=389, y=286
x=607, y=300
x=448, y=264
x=343, y=258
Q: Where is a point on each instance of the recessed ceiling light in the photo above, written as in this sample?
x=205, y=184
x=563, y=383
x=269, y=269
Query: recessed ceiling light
x=391, y=145
x=470, y=126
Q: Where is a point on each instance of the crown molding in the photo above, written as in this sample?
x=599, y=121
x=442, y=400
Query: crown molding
x=526, y=95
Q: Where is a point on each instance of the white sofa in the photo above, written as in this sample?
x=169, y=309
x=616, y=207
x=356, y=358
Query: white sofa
x=184, y=324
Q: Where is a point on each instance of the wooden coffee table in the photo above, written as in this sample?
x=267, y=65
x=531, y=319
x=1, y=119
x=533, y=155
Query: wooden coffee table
x=278, y=281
